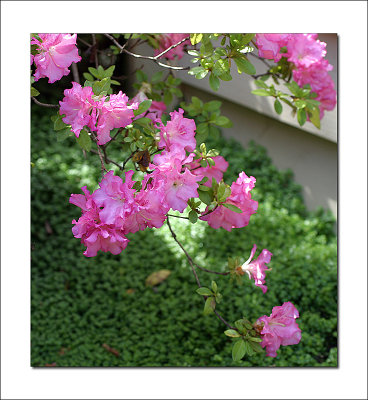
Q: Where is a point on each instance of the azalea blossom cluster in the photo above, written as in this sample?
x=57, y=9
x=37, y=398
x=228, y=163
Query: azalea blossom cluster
x=166, y=40
x=100, y=114
x=280, y=328
x=116, y=208
x=55, y=54
x=307, y=53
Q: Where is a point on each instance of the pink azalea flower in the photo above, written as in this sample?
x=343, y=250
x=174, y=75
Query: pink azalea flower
x=155, y=111
x=240, y=197
x=318, y=78
x=115, y=113
x=179, y=131
x=79, y=108
x=269, y=44
x=168, y=39
x=304, y=50
x=280, y=328
x=116, y=197
x=256, y=269
x=94, y=233
x=56, y=53
x=216, y=171
x=150, y=207
x=178, y=187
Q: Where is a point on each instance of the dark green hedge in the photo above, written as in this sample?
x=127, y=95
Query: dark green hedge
x=78, y=303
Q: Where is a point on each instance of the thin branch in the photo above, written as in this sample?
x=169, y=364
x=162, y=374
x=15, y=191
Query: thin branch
x=113, y=138
x=103, y=168
x=95, y=49
x=107, y=160
x=261, y=59
x=172, y=47
x=212, y=272
x=75, y=73
x=177, y=216
x=192, y=264
x=126, y=161
x=44, y=104
x=155, y=58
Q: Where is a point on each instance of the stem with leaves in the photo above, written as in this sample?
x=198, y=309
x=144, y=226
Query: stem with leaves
x=193, y=265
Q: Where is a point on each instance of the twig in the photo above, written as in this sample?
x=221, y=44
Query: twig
x=177, y=216
x=212, y=272
x=44, y=104
x=153, y=58
x=192, y=264
x=103, y=168
x=108, y=161
x=261, y=59
x=75, y=73
x=95, y=49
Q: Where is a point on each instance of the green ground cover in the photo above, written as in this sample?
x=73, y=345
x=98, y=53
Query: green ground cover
x=78, y=304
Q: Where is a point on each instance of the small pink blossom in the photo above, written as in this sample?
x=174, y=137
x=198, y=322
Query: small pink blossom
x=149, y=208
x=95, y=234
x=304, y=50
x=79, y=108
x=116, y=197
x=168, y=39
x=56, y=53
x=179, y=131
x=115, y=113
x=320, y=81
x=240, y=197
x=269, y=44
x=179, y=186
x=256, y=269
x=213, y=171
x=280, y=328
x=155, y=111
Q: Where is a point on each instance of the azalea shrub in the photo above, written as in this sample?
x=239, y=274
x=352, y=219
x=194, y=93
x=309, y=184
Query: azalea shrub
x=161, y=165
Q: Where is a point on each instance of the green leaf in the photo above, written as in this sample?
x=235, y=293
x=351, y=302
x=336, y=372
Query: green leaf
x=214, y=82
x=314, y=117
x=143, y=121
x=193, y=216
x=84, y=140
x=278, y=106
x=168, y=98
x=255, y=339
x=157, y=77
x=226, y=76
x=201, y=74
x=260, y=92
x=58, y=122
x=64, y=134
x=141, y=76
x=232, y=333
x=101, y=86
x=195, y=38
x=196, y=70
x=204, y=291
x=88, y=76
x=239, y=350
x=223, y=121
x=34, y=92
x=244, y=65
x=233, y=208
x=212, y=105
x=256, y=347
x=206, y=197
x=300, y=103
x=143, y=107
x=94, y=72
x=208, y=306
x=261, y=84
x=109, y=71
x=194, y=53
x=214, y=286
x=302, y=116
x=221, y=67
x=247, y=37
x=202, y=128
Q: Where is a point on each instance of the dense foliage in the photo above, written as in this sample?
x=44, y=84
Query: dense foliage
x=99, y=312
